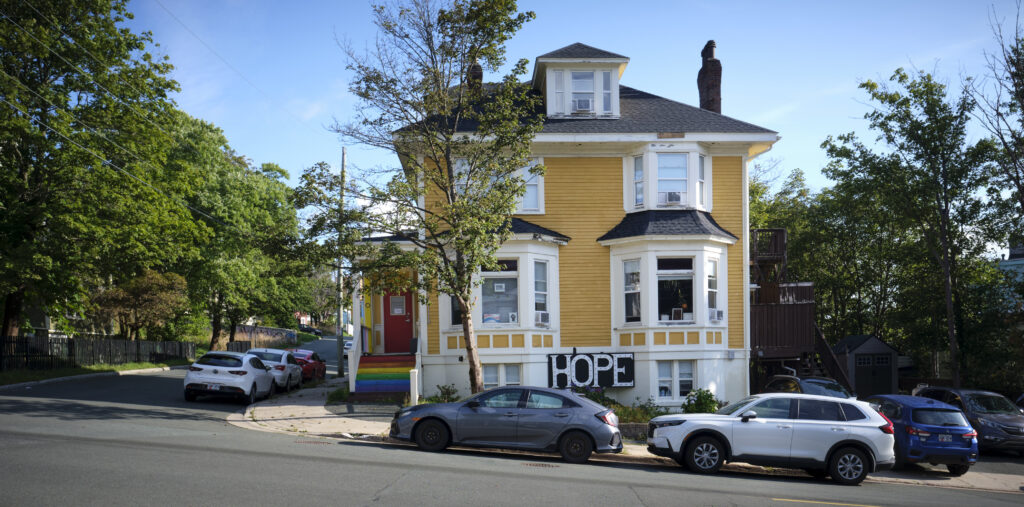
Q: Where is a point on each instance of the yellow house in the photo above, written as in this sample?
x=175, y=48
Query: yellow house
x=628, y=268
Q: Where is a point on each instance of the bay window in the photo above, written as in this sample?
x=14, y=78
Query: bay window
x=540, y=293
x=631, y=287
x=712, y=275
x=672, y=176
x=675, y=289
x=638, y=181
x=499, y=294
x=701, y=188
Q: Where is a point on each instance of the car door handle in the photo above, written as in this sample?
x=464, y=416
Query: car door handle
x=838, y=429
x=784, y=426
x=562, y=414
x=510, y=414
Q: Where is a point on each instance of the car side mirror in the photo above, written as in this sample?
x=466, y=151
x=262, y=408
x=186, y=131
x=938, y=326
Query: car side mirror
x=472, y=404
x=266, y=368
x=748, y=415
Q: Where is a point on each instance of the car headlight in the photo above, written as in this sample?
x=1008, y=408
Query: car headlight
x=662, y=424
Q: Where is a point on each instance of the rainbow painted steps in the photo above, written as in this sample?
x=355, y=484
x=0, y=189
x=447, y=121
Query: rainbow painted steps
x=384, y=374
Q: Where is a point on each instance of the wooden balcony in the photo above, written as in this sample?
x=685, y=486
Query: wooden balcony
x=767, y=246
x=780, y=331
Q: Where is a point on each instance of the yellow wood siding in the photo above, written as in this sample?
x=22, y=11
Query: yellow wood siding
x=727, y=196
x=639, y=339
x=583, y=200
x=518, y=341
x=693, y=338
x=433, y=335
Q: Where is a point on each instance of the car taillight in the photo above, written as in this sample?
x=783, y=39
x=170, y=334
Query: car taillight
x=887, y=427
x=238, y=372
x=608, y=417
x=972, y=434
x=194, y=368
x=918, y=432
x=279, y=367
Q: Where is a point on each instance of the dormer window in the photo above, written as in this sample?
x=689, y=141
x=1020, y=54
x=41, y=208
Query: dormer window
x=582, y=92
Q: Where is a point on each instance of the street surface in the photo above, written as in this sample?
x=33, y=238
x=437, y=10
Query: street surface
x=133, y=440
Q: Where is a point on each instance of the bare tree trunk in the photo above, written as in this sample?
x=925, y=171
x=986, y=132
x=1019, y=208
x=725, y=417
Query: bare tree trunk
x=216, y=317
x=12, y=312
x=231, y=334
x=476, y=377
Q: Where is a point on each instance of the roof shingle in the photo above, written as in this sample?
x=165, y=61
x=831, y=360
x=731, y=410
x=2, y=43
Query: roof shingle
x=579, y=50
x=666, y=223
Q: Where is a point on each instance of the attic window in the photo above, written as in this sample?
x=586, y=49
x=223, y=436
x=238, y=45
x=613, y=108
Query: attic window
x=582, y=92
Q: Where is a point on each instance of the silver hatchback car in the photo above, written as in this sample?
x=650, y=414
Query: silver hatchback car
x=515, y=417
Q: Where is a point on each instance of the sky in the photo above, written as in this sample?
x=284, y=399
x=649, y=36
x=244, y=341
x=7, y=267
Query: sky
x=271, y=74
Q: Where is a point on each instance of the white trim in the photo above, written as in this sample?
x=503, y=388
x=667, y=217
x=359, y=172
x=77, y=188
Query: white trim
x=709, y=137
x=664, y=238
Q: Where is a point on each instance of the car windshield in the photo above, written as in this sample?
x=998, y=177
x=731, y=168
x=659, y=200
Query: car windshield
x=268, y=356
x=939, y=417
x=733, y=407
x=219, y=360
x=826, y=388
x=991, y=404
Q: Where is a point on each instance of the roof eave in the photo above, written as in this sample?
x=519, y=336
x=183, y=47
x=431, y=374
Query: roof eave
x=668, y=237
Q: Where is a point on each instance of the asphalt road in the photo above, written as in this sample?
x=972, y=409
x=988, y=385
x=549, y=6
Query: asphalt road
x=134, y=440
x=327, y=347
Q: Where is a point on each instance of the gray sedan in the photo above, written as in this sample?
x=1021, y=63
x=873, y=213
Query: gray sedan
x=532, y=418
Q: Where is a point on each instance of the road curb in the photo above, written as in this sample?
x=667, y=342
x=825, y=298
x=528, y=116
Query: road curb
x=90, y=375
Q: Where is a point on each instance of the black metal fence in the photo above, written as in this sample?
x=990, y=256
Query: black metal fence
x=45, y=353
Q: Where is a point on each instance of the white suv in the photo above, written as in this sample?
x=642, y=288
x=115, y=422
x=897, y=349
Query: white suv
x=846, y=439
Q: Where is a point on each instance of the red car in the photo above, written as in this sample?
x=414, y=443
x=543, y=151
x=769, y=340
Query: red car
x=312, y=365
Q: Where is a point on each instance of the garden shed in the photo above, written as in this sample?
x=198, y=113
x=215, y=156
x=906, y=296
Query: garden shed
x=870, y=364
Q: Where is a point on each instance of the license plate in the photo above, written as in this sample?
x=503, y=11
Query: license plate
x=945, y=438
x=213, y=387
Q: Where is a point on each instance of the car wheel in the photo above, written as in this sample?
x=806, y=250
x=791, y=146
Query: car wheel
x=432, y=435
x=251, y=398
x=957, y=470
x=576, y=447
x=817, y=473
x=189, y=395
x=705, y=455
x=848, y=466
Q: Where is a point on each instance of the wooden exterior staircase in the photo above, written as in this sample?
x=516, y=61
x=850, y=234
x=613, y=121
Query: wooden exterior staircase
x=384, y=377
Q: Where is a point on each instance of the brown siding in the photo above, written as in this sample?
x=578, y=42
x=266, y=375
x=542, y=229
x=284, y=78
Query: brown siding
x=727, y=197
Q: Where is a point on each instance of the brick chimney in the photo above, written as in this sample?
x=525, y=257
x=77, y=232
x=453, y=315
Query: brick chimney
x=709, y=79
x=475, y=76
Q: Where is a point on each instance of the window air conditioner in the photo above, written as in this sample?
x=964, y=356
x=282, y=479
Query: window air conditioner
x=716, y=314
x=542, y=318
x=580, y=105
x=674, y=198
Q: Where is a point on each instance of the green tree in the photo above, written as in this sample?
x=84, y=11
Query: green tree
x=929, y=175
x=148, y=300
x=420, y=96
x=83, y=129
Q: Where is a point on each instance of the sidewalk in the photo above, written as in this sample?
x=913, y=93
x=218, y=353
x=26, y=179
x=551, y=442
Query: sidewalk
x=304, y=413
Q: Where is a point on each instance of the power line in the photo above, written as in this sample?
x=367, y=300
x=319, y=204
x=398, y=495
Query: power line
x=232, y=67
x=115, y=166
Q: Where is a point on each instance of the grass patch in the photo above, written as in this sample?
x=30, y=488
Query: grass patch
x=339, y=395
x=306, y=337
x=19, y=376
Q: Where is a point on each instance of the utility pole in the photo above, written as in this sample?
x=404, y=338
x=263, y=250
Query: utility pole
x=341, y=212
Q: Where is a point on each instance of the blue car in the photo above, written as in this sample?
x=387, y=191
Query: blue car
x=929, y=431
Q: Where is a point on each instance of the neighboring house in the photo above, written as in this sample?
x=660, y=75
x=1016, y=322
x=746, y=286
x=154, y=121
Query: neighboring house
x=1014, y=264
x=628, y=267
x=870, y=364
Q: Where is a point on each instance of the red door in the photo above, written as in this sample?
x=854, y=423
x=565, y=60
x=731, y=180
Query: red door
x=397, y=322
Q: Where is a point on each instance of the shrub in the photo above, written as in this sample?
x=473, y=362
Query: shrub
x=639, y=412
x=701, y=401
x=445, y=394
x=338, y=395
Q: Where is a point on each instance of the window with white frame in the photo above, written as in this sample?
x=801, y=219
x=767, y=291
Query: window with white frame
x=606, y=92
x=456, y=312
x=671, y=179
x=499, y=294
x=675, y=289
x=582, y=91
x=501, y=375
x=631, y=287
x=675, y=379
x=461, y=175
x=638, y=181
x=540, y=294
x=531, y=200
x=559, y=92
x=712, y=268
x=701, y=188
